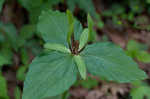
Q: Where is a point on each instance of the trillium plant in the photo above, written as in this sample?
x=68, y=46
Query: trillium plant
x=69, y=56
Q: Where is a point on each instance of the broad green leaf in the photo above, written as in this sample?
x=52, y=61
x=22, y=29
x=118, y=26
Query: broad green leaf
x=84, y=38
x=92, y=34
x=143, y=56
x=71, y=26
x=49, y=75
x=1, y=4
x=53, y=26
x=3, y=88
x=17, y=93
x=109, y=61
x=140, y=92
x=81, y=65
x=56, y=47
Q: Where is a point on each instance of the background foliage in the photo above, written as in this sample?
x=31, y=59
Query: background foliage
x=124, y=22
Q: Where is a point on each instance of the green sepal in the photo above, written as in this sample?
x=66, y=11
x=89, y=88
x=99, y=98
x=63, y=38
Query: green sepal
x=81, y=65
x=56, y=47
x=84, y=38
x=71, y=26
x=92, y=34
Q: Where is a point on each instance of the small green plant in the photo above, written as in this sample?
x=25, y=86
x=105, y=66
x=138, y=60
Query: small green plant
x=68, y=54
x=128, y=12
x=140, y=90
x=137, y=51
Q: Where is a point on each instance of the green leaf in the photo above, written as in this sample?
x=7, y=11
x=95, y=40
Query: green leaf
x=55, y=97
x=140, y=92
x=132, y=45
x=3, y=88
x=100, y=24
x=135, y=46
x=1, y=4
x=78, y=29
x=29, y=5
x=36, y=12
x=26, y=33
x=57, y=47
x=84, y=38
x=136, y=50
x=109, y=61
x=92, y=34
x=37, y=7
x=3, y=60
x=5, y=56
x=71, y=26
x=65, y=95
x=88, y=83
x=24, y=56
x=17, y=93
x=70, y=17
x=21, y=73
x=6, y=52
x=81, y=65
x=10, y=34
x=86, y=5
x=50, y=74
x=143, y=56
x=53, y=26
x=71, y=4
x=2, y=39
